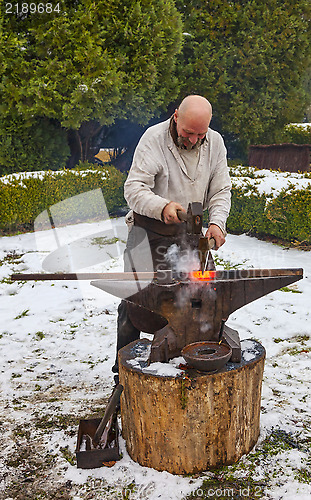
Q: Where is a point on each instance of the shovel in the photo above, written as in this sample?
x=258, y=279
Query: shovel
x=99, y=437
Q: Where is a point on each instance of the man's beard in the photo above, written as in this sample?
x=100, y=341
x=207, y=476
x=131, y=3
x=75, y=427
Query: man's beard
x=188, y=146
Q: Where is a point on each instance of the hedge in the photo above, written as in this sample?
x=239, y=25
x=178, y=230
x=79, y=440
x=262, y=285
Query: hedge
x=25, y=196
x=297, y=133
x=287, y=217
x=285, y=214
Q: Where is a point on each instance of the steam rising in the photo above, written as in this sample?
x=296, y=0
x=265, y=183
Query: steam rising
x=182, y=261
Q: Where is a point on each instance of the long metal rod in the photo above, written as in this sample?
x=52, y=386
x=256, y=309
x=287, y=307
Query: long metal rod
x=159, y=275
x=84, y=276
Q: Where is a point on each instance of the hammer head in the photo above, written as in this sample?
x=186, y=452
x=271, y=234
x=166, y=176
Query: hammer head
x=194, y=223
x=194, y=218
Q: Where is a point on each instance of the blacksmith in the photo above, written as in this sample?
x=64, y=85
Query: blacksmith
x=176, y=162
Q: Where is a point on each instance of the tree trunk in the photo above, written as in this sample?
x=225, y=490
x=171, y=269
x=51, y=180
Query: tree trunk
x=75, y=149
x=85, y=143
x=186, y=425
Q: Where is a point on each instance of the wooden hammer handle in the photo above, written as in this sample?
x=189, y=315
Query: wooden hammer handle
x=183, y=216
x=211, y=243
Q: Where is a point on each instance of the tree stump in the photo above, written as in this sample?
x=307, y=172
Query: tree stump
x=191, y=422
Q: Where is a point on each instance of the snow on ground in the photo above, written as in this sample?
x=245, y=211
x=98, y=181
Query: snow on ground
x=57, y=342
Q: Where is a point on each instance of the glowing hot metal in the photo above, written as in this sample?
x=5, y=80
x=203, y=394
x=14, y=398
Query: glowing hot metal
x=202, y=276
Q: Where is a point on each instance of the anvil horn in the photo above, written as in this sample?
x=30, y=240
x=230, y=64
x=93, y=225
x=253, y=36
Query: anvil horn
x=246, y=290
x=146, y=294
x=119, y=288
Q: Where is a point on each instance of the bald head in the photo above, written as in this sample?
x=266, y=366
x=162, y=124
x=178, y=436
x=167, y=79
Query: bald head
x=192, y=120
x=195, y=105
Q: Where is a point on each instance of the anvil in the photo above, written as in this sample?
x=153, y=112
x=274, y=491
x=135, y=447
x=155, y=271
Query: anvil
x=193, y=309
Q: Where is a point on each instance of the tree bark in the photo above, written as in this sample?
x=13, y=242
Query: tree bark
x=189, y=424
x=84, y=143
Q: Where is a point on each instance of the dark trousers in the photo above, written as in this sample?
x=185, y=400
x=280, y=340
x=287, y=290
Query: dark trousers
x=145, y=251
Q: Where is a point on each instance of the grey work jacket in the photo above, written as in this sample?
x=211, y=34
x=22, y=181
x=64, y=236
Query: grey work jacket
x=158, y=175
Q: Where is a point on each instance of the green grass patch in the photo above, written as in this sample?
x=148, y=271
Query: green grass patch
x=22, y=314
x=68, y=455
x=287, y=289
x=39, y=336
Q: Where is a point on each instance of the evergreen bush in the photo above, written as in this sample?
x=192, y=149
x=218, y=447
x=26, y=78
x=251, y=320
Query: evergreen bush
x=24, y=197
x=40, y=145
x=285, y=214
x=297, y=133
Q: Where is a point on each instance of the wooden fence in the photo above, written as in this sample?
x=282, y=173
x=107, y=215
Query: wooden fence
x=284, y=157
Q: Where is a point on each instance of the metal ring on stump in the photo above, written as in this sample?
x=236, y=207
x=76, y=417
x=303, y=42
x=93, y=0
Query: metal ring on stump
x=193, y=422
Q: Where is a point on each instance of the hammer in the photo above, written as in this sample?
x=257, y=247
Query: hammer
x=194, y=223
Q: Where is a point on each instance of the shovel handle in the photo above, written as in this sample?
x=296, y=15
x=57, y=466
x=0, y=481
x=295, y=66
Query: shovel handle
x=108, y=412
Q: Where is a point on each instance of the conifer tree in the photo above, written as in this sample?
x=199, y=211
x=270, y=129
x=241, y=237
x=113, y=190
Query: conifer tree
x=250, y=59
x=85, y=64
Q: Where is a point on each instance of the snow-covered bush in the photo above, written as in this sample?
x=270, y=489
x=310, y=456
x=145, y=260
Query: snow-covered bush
x=25, y=195
x=267, y=202
x=297, y=133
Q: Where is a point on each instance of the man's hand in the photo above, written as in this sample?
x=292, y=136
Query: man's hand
x=169, y=212
x=215, y=232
